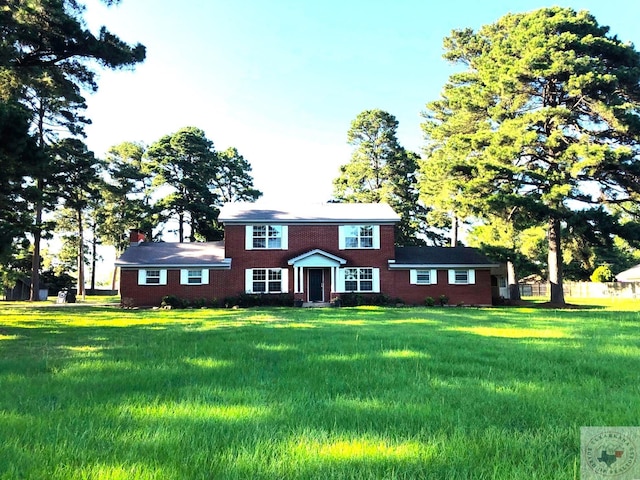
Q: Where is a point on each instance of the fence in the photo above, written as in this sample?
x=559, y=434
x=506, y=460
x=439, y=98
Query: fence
x=586, y=289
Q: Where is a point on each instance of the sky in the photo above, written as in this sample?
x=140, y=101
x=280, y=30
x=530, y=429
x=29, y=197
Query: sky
x=282, y=80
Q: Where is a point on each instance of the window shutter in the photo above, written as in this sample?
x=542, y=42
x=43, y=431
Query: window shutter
x=248, y=280
x=340, y=280
x=163, y=277
x=472, y=277
x=285, y=280
x=184, y=277
x=376, y=280
x=452, y=277
x=433, y=277
x=142, y=277
x=248, y=237
x=205, y=276
x=413, y=277
x=285, y=237
x=341, y=241
x=376, y=237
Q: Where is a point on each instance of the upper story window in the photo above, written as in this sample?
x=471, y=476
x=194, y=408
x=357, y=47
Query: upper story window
x=266, y=237
x=194, y=276
x=152, y=277
x=359, y=236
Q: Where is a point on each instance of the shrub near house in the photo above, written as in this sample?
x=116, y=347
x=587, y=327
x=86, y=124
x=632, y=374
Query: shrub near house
x=313, y=253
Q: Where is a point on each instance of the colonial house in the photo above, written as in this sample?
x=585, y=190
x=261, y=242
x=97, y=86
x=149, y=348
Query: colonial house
x=314, y=253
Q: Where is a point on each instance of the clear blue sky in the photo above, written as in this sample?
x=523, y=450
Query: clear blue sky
x=281, y=80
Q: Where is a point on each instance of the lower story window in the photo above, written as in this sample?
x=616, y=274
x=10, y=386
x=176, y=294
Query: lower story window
x=152, y=276
x=358, y=279
x=266, y=280
x=461, y=276
x=194, y=276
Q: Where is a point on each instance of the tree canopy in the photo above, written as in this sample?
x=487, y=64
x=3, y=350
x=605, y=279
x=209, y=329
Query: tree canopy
x=381, y=170
x=542, y=123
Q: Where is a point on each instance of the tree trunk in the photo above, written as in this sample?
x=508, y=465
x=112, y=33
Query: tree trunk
x=37, y=236
x=81, y=292
x=555, y=263
x=512, y=281
x=181, y=227
x=94, y=260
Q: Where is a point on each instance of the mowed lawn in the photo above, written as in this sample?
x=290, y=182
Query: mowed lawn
x=89, y=392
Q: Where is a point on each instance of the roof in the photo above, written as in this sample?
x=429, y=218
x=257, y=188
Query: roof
x=160, y=254
x=307, y=213
x=440, y=256
x=630, y=275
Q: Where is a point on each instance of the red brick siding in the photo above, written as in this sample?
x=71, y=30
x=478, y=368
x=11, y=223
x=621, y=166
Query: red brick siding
x=151, y=295
x=399, y=286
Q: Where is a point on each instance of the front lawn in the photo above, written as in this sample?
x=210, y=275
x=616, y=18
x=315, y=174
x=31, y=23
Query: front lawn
x=89, y=392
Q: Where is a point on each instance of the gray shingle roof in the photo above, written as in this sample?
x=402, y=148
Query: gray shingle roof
x=308, y=213
x=151, y=254
x=434, y=256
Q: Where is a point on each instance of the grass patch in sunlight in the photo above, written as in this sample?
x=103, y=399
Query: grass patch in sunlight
x=98, y=392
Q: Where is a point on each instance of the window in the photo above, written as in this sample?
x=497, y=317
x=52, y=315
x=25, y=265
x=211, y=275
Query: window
x=194, y=276
x=267, y=280
x=462, y=277
x=152, y=277
x=265, y=237
x=423, y=277
x=359, y=236
x=358, y=279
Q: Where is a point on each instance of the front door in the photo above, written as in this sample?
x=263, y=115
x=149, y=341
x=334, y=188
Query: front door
x=316, y=280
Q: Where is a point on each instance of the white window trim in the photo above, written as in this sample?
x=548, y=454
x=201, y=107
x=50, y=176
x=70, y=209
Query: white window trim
x=342, y=235
x=284, y=280
x=284, y=240
x=413, y=276
x=184, y=276
x=375, y=280
x=471, y=276
x=142, y=276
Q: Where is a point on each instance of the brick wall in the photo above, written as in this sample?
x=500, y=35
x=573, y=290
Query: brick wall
x=151, y=295
x=398, y=285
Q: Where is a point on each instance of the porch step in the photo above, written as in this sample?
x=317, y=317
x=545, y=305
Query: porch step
x=315, y=304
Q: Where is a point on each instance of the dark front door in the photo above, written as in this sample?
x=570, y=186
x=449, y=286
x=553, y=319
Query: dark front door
x=315, y=285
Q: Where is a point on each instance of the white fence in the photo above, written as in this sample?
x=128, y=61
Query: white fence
x=586, y=289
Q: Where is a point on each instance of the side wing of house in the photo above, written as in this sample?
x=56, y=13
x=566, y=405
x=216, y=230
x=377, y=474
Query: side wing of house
x=458, y=275
x=191, y=271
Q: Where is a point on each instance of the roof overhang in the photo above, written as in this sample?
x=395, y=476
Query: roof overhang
x=410, y=266
x=223, y=265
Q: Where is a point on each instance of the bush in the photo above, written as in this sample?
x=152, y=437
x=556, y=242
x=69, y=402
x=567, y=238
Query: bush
x=246, y=300
x=443, y=300
x=429, y=301
x=602, y=274
x=173, y=302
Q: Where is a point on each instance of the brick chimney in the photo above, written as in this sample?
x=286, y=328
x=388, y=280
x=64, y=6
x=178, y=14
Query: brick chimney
x=136, y=236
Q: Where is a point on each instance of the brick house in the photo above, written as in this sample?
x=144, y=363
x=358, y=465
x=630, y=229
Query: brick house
x=314, y=253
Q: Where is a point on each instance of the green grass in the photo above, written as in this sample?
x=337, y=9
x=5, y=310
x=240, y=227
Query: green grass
x=90, y=392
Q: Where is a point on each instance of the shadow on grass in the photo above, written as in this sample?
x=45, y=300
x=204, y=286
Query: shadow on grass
x=334, y=394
